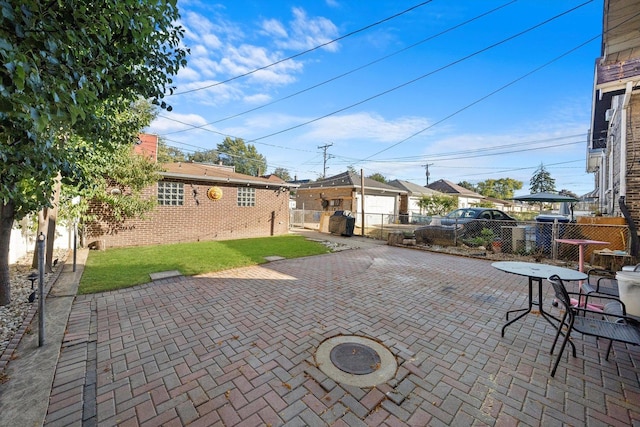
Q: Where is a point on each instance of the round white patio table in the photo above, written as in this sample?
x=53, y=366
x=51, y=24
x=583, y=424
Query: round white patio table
x=536, y=272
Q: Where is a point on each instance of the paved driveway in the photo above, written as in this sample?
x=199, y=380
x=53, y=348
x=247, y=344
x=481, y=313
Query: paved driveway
x=238, y=348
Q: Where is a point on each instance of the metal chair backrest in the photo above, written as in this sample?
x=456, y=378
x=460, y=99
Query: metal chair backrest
x=561, y=292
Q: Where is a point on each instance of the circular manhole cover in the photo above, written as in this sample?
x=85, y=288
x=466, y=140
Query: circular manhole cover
x=356, y=361
x=354, y=358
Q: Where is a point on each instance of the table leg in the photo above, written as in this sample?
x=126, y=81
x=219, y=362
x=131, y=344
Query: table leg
x=525, y=310
x=547, y=316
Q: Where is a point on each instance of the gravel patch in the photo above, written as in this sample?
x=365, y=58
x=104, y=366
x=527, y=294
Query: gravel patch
x=12, y=316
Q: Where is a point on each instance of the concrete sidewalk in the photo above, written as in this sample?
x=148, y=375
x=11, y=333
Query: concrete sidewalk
x=24, y=399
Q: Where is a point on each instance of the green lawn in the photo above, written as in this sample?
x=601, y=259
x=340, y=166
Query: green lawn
x=123, y=267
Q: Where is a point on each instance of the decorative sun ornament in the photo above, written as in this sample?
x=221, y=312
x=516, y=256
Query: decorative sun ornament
x=214, y=193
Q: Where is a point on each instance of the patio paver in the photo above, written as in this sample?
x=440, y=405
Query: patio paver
x=237, y=348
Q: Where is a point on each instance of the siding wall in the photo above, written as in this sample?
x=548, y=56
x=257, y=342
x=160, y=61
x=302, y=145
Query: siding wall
x=202, y=219
x=633, y=157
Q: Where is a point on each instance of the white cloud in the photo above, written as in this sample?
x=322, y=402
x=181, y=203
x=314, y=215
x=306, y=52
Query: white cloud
x=188, y=74
x=366, y=126
x=307, y=33
x=274, y=28
x=170, y=122
x=212, y=41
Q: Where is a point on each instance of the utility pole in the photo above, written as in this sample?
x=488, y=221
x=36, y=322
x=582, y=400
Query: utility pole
x=427, y=171
x=325, y=157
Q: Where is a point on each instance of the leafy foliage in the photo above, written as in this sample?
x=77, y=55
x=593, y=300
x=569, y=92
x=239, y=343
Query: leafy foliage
x=486, y=238
x=206, y=156
x=468, y=186
x=541, y=181
x=378, y=177
x=437, y=204
x=244, y=157
x=68, y=67
x=283, y=174
x=168, y=154
x=503, y=188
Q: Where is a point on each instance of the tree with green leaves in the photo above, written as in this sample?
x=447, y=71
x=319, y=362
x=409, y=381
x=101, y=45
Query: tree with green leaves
x=283, y=174
x=378, y=177
x=206, y=156
x=169, y=154
x=111, y=178
x=244, y=157
x=437, y=204
x=503, y=188
x=467, y=185
x=541, y=181
x=68, y=67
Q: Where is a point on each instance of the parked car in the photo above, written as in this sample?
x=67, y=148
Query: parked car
x=464, y=225
x=466, y=215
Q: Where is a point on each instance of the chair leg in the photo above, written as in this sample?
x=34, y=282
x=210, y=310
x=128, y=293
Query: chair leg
x=609, y=350
x=555, y=341
x=564, y=344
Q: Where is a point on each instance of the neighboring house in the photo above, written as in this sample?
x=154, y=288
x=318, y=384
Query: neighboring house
x=615, y=123
x=409, y=203
x=344, y=192
x=466, y=198
x=204, y=202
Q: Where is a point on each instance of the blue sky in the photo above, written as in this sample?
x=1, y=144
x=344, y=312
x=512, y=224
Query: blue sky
x=474, y=89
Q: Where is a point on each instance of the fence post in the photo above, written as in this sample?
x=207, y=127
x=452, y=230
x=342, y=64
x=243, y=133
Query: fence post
x=381, y=226
x=554, y=236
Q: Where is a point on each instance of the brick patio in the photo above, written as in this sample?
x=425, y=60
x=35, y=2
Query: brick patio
x=237, y=348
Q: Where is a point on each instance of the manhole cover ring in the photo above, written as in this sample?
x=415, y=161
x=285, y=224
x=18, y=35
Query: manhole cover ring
x=372, y=363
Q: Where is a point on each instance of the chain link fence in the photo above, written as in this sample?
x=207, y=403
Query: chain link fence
x=526, y=238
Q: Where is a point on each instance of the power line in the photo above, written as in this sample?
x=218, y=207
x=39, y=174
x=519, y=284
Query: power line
x=308, y=50
x=407, y=83
x=339, y=76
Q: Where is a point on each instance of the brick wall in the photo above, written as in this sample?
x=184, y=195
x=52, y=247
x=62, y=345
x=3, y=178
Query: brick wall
x=202, y=219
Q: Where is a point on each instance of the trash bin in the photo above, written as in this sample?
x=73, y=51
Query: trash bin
x=544, y=231
x=342, y=222
x=629, y=289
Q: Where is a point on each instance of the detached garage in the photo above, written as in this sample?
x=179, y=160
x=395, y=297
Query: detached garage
x=344, y=192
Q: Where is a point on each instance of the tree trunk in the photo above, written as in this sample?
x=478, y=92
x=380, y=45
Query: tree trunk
x=52, y=217
x=7, y=214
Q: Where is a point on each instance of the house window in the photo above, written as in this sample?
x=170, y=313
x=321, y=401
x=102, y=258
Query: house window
x=170, y=193
x=246, y=196
x=335, y=202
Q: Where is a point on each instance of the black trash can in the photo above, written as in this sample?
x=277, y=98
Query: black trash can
x=342, y=222
x=544, y=231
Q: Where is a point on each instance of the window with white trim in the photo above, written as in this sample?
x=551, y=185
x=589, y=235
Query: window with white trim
x=246, y=196
x=170, y=193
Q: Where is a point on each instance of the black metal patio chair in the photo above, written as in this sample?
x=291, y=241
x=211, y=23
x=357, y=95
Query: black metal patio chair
x=623, y=329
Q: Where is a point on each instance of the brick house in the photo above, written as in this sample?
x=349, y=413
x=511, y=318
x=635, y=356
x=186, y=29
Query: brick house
x=204, y=202
x=343, y=192
x=615, y=118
